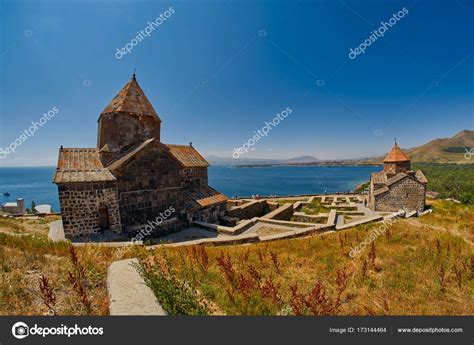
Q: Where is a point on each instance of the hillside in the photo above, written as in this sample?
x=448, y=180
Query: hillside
x=419, y=266
x=443, y=150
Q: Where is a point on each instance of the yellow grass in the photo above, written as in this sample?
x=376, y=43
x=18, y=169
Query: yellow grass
x=26, y=255
x=421, y=267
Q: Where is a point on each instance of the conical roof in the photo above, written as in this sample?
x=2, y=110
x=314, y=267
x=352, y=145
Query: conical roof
x=131, y=99
x=396, y=155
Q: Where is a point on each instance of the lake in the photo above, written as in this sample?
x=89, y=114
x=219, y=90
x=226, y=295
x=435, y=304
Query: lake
x=35, y=183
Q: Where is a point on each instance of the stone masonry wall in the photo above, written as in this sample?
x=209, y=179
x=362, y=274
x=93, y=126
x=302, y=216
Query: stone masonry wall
x=282, y=213
x=252, y=209
x=80, y=204
x=371, y=195
x=406, y=194
x=119, y=130
x=148, y=185
x=193, y=177
x=210, y=214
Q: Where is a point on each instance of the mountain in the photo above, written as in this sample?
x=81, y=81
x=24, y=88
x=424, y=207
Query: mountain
x=443, y=150
x=302, y=159
x=216, y=160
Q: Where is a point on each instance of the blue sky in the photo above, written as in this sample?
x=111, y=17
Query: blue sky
x=215, y=71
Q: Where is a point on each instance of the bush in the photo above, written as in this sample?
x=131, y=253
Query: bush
x=450, y=180
x=176, y=296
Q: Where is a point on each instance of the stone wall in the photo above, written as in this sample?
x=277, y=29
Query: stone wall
x=398, y=167
x=193, y=177
x=210, y=214
x=120, y=130
x=371, y=201
x=80, y=203
x=252, y=209
x=282, y=213
x=305, y=218
x=149, y=185
x=407, y=194
x=153, y=228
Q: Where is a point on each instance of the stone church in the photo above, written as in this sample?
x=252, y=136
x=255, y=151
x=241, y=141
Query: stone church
x=131, y=177
x=397, y=186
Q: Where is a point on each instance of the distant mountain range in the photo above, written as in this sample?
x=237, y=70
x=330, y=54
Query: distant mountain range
x=443, y=150
x=215, y=160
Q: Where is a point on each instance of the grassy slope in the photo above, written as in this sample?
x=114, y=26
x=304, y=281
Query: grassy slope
x=404, y=277
x=424, y=268
x=438, y=150
x=26, y=254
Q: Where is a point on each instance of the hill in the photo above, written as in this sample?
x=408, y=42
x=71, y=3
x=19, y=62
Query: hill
x=443, y=150
x=418, y=266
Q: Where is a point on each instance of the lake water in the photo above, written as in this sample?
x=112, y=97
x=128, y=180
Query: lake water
x=35, y=183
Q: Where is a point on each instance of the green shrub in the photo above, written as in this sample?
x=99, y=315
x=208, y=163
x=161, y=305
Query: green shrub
x=450, y=180
x=176, y=296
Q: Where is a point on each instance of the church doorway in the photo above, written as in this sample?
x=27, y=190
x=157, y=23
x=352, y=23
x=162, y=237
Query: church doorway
x=103, y=217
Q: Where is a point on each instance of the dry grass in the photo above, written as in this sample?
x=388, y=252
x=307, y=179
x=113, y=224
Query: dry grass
x=266, y=231
x=315, y=207
x=33, y=225
x=35, y=273
x=419, y=267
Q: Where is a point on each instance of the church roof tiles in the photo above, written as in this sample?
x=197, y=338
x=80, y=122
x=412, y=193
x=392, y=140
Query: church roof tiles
x=80, y=165
x=131, y=99
x=187, y=156
x=396, y=155
x=204, y=196
x=379, y=177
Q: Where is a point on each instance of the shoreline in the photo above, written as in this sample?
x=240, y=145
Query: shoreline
x=325, y=164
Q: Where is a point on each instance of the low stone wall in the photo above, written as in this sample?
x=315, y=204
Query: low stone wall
x=297, y=206
x=288, y=223
x=282, y=213
x=210, y=214
x=241, y=239
x=359, y=222
x=306, y=218
x=272, y=205
x=332, y=218
x=236, y=230
x=250, y=210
